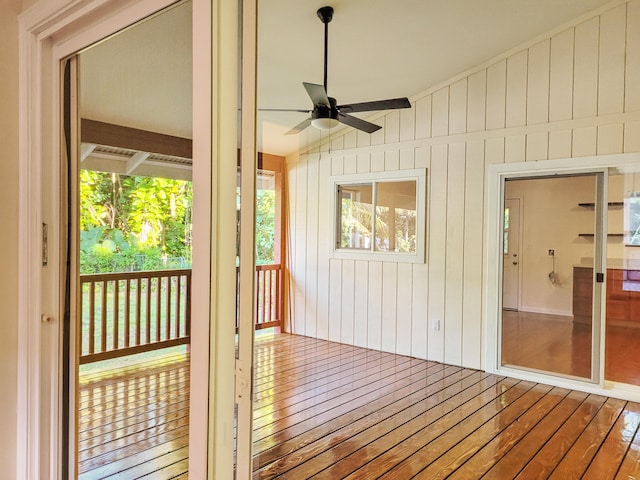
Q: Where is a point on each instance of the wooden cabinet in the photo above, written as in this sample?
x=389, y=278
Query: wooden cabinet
x=623, y=296
x=582, y=294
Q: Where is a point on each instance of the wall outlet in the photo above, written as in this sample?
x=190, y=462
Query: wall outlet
x=436, y=325
x=552, y=252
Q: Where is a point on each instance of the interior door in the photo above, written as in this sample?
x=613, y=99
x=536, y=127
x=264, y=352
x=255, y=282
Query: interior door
x=511, y=265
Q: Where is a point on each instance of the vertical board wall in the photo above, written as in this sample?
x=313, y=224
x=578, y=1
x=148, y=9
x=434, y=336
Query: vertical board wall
x=575, y=93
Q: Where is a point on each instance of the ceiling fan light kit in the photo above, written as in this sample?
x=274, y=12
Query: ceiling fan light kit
x=326, y=113
x=325, y=123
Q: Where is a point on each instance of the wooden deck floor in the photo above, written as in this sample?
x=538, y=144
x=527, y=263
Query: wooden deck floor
x=134, y=421
x=332, y=411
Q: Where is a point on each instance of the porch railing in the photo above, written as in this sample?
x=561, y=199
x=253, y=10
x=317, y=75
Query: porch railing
x=268, y=296
x=134, y=312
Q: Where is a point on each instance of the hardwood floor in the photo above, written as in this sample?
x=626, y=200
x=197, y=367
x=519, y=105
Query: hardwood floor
x=551, y=343
x=328, y=411
x=134, y=421
x=325, y=410
x=556, y=344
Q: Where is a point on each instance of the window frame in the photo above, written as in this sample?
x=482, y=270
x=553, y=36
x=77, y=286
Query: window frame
x=419, y=175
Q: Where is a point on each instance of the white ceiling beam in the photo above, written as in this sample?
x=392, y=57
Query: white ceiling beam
x=86, y=149
x=135, y=161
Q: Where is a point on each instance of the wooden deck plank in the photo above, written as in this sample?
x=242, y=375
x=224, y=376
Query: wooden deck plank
x=630, y=467
x=468, y=444
x=578, y=458
x=494, y=451
x=563, y=439
x=517, y=458
x=355, y=420
x=140, y=458
x=342, y=403
x=611, y=453
x=441, y=384
x=428, y=414
x=313, y=397
x=134, y=421
x=330, y=374
x=345, y=380
x=428, y=432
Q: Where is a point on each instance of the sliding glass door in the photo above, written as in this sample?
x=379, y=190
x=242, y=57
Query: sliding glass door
x=552, y=275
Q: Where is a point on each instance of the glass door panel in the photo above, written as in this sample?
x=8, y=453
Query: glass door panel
x=549, y=247
x=622, y=330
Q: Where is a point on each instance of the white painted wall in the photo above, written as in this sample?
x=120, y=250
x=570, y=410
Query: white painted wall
x=9, y=242
x=572, y=93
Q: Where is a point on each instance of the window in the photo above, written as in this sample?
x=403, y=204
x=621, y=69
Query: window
x=380, y=216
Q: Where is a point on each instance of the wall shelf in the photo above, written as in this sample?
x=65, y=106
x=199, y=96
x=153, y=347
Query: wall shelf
x=611, y=204
x=608, y=234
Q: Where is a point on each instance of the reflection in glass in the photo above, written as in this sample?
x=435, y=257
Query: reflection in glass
x=396, y=216
x=623, y=279
x=356, y=212
x=265, y=217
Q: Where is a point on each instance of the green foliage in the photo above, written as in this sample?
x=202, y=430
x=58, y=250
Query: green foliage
x=133, y=223
x=265, y=226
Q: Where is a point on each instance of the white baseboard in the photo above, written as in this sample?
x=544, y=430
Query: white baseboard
x=547, y=311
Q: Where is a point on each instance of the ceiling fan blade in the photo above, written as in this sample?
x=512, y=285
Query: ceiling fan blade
x=358, y=123
x=317, y=93
x=298, y=128
x=283, y=110
x=391, y=104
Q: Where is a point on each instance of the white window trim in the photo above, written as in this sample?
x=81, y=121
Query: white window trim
x=420, y=176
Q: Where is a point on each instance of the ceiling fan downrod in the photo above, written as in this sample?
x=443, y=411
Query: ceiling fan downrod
x=325, y=14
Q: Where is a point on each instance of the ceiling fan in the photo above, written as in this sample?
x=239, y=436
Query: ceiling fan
x=326, y=112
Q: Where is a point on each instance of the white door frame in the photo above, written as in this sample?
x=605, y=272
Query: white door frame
x=48, y=32
x=493, y=291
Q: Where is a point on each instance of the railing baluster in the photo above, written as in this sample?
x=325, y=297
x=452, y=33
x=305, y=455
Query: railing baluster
x=158, y=307
x=178, y=293
x=167, y=326
x=103, y=319
x=187, y=316
x=127, y=312
x=148, y=323
x=138, y=310
x=267, y=289
x=116, y=314
x=92, y=317
x=278, y=300
x=258, y=280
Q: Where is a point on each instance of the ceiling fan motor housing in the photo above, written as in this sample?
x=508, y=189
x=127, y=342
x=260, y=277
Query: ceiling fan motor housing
x=324, y=111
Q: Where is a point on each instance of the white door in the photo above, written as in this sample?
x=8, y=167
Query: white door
x=511, y=240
